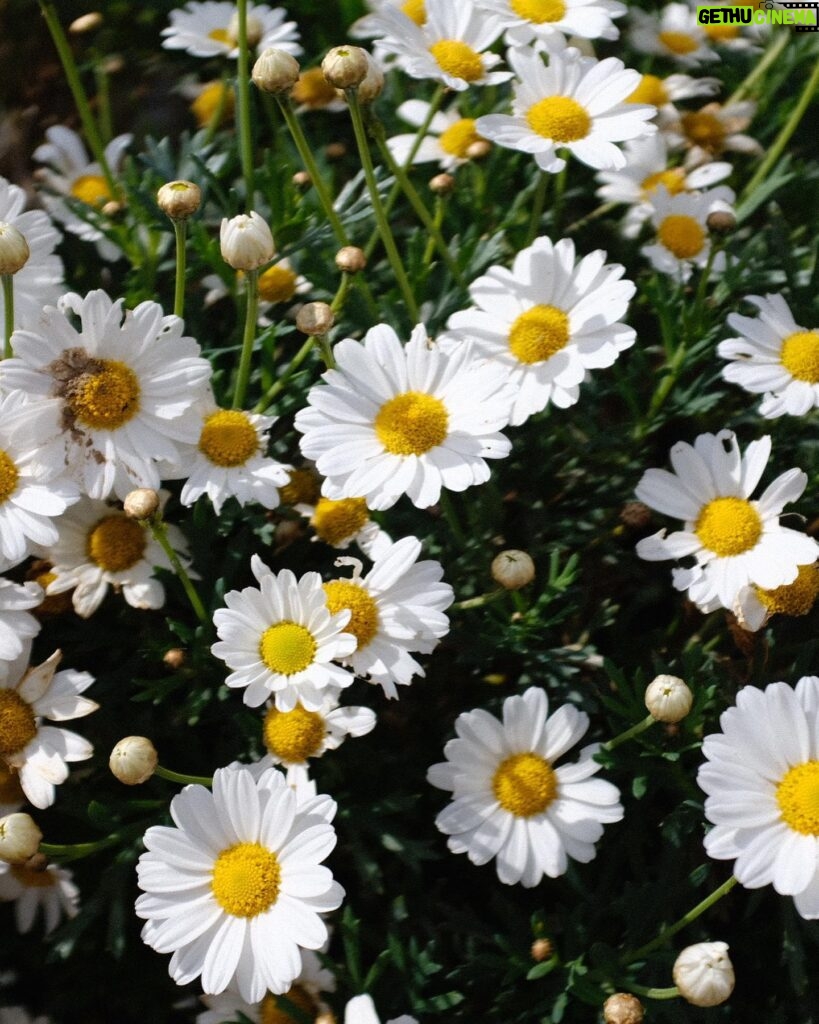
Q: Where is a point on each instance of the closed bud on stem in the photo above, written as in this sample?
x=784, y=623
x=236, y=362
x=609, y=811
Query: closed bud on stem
x=19, y=838
x=442, y=184
x=85, y=23
x=174, y=658
x=179, y=199
x=246, y=241
x=350, y=259
x=141, y=504
x=513, y=569
x=478, y=149
x=668, y=699
x=301, y=179
x=704, y=974
x=345, y=67
x=133, y=760
x=275, y=71
x=372, y=85
x=623, y=1008
x=14, y=250
x=315, y=318
x=721, y=222
x=542, y=949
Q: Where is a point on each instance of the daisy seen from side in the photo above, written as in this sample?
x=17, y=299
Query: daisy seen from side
x=345, y=521
x=211, y=29
x=448, y=140
x=714, y=130
x=528, y=22
x=755, y=605
x=49, y=889
x=672, y=32
x=682, y=238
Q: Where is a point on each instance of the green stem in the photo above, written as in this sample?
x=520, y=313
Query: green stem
x=180, y=232
x=629, y=734
x=451, y=516
x=695, y=318
x=287, y=373
x=103, y=100
x=538, y=203
x=8, y=309
x=219, y=110
x=653, y=993
x=438, y=219
x=477, y=602
x=160, y=534
x=249, y=336
x=74, y=851
x=184, y=780
x=243, y=96
x=758, y=70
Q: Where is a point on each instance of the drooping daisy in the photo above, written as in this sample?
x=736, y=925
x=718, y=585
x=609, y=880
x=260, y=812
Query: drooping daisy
x=735, y=541
x=547, y=321
x=17, y=626
x=71, y=174
x=49, y=889
x=448, y=140
x=236, y=890
x=123, y=384
x=510, y=802
x=755, y=605
x=575, y=104
x=392, y=420
x=361, y=1010
x=342, y=522
x=761, y=776
x=528, y=22
x=39, y=753
x=773, y=357
x=664, y=92
x=681, y=230
x=277, y=284
x=716, y=129
x=674, y=33
x=211, y=29
x=280, y=640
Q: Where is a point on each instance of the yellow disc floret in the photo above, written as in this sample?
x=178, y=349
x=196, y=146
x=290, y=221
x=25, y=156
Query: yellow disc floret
x=728, y=526
x=221, y=35
x=795, y=598
x=313, y=90
x=798, y=798
x=105, y=396
x=678, y=42
x=682, y=235
x=272, y=1012
x=91, y=189
x=540, y=12
x=302, y=487
x=228, y=438
x=412, y=423
x=363, y=622
x=673, y=178
x=116, y=543
x=705, y=130
x=338, y=521
x=538, y=333
x=287, y=648
x=524, y=784
x=458, y=59
x=799, y=356
x=18, y=726
x=415, y=10
x=215, y=97
x=295, y=735
x=277, y=284
x=650, y=89
x=457, y=139
x=559, y=118
x=246, y=879
x=9, y=476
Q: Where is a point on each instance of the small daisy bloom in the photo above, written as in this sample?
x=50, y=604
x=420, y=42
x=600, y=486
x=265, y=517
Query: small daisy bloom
x=342, y=522
x=448, y=141
x=682, y=238
x=734, y=540
x=17, y=626
x=397, y=608
x=277, y=284
x=547, y=321
x=123, y=385
x=280, y=639
x=576, y=104
x=712, y=131
x=392, y=420
x=509, y=802
x=49, y=889
x=673, y=33
x=237, y=888
x=528, y=22
x=73, y=176
x=361, y=1010
x=211, y=29
x=755, y=605
x=663, y=93
x=39, y=753
x=775, y=357
x=761, y=776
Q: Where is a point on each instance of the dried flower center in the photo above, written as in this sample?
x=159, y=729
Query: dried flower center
x=678, y=42
x=91, y=189
x=412, y=423
x=9, y=476
x=559, y=118
x=673, y=178
x=105, y=395
x=539, y=11
x=363, y=622
x=116, y=543
x=295, y=735
x=17, y=724
x=287, y=648
x=682, y=235
x=795, y=598
x=524, y=784
x=32, y=878
x=650, y=90
x=704, y=129
x=246, y=879
x=11, y=792
x=728, y=526
x=274, y=1013
x=228, y=438
x=799, y=356
x=313, y=89
x=277, y=284
x=457, y=139
x=215, y=96
x=458, y=59
x=302, y=487
x=415, y=10
x=798, y=798
x=538, y=333
x=339, y=521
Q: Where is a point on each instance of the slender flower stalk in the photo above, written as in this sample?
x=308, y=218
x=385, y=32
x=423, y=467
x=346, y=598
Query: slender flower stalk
x=243, y=104
x=653, y=993
x=180, y=230
x=538, y=202
x=160, y=534
x=769, y=58
x=251, y=313
x=103, y=99
x=183, y=779
x=8, y=304
x=629, y=734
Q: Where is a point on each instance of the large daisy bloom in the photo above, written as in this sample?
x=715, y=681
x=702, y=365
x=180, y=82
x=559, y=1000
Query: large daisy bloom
x=236, y=889
x=280, y=640
x=773, y=356
x=448, y=140
x=17, y=625
x=547, y=321
x=211, y=29
x=715, y=129
x=340, y=523
x=575, y=104
x=510, y=802
x=682, y=239
x=761, y=776
x=530, y=21
x=39, y=753
x=361, y=1010
x=735, y=541
x=50, y=890
x=673, y=32
x=123, y=385
x=393, y=419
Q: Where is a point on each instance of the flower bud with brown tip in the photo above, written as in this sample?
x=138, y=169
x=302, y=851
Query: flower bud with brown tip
x=345, y=67
x=513, y=569
x=133, y=760
x=442, y=184
x=668, y=699
x=275, y=71
x=141, y=504
x=19, y=838
x=14, y=250
x=179, y=199
x=315, y=318
x=623, y=1008
x=721, y=222
x=350, y=259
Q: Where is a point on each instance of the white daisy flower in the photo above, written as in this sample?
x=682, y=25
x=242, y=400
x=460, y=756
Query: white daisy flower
x=73, y=175
x=710, y=132
x=361, y=1010
x=342, y=522
x=509, y=802
x=681, y=225
x=280, y=639
x=50, y=890
x=277, y=284
x=39, y=753
x=447, y=142
x=397, y=608
x=236, y=890
x=738, y=38
x=663, y=93
x=547, y=322
x=755, y=605
x=211, y=29
x=773, y=357
x=734, y=540
x=576, y=104
x=528, y=22
x=673, y=33
x=761, y=776
x=393, y=420
x=17, y=626
x=124, y=386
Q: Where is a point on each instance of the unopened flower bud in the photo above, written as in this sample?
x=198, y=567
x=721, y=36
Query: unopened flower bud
x=668, y=699
x=85, y=23
x=275, y=71
x=623, y=1008
x=513, y=569
x=704, y=974
x=478, y=149
x=14, y=250
x=19, y=838
x=301, y=179
x=335, y=150
x=174, y=658
x=113, y=64
x=246, y=241
x=442, y=184
x=179, y=199
x=351, y=259
x=542, y=949
x=133, y=760
x=112, y=208
x=721, y=222
x=141, y=504
x=373, y=83
x=635, y=514
x=345, y=67
x=315, y=318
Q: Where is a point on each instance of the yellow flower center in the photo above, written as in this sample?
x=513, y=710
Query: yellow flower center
x=105, y=396
x=215, y=96
x=32, y=878
x=277, y=284
x=51, y=604
x=539, y=11
x=678, y=42
x=221, y=35
x=683, y=236
x=274, y=1013
x=363, y=622
x=17, y=724
x=728, y=526
x=116, y=543
x=458, y=59
x=302, y=487
x=524, y=784
x=673, y=178
x=313, y=90
x=91, y=189
x=415, y=10
x=799, y=356
x=337, y=521
x=538, y=333
x=559, y=118
x=704, y=130
x=295, y=735
x=287, y=648
x=8, y=476
x=11, y=792
x=412, y=423
x=798, y=798
x=457, y=139
x=721, y=33
x=795, y=598
x=228, y=438
x=650, y=90
x=246, y=879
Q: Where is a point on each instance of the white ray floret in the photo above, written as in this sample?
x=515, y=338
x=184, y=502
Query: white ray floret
x=528, y=22
x=211, y=29
x=50, y=890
